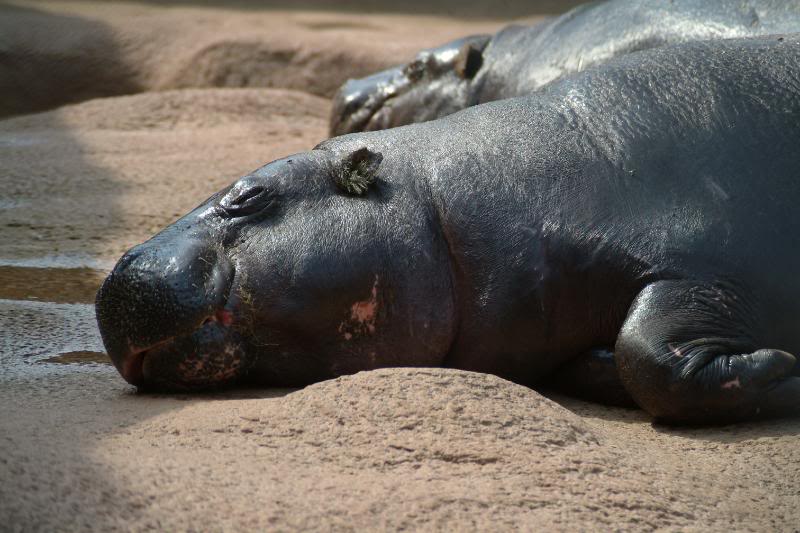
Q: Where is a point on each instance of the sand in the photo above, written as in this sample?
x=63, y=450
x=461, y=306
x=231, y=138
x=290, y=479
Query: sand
x=188, y=99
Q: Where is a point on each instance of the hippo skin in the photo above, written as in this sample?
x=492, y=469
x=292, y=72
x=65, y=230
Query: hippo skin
x=634, y=228
x=519, y=60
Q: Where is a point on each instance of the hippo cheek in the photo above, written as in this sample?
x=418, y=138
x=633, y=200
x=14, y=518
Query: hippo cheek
x=210, y=357
x=380, y=119
x=401, y=109
x=358, y=100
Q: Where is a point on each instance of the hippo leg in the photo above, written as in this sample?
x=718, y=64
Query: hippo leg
x=593, y=376
x=689, y=352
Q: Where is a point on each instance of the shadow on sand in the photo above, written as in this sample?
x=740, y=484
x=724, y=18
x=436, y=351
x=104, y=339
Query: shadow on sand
x=47, y=60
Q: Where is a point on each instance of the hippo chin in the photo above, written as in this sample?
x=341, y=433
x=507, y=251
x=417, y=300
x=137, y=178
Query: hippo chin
x=520, y=60
x=631, y=231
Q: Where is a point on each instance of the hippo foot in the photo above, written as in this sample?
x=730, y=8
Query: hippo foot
x=687, y=354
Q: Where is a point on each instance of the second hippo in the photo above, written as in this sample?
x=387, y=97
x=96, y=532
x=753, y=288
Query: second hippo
x=519, y=60
x=639, y=220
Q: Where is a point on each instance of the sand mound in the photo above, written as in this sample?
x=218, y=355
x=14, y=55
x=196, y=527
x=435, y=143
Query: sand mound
x=415, y=416
x=175, y=110
x=421, y=449
x=399, y=448
x=103, y=175
x=51, y=58
x=432, y=449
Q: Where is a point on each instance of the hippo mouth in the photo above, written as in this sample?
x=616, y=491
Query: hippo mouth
x=374, y=115
x=380, y=117
x=208, y=356
x=367, y=106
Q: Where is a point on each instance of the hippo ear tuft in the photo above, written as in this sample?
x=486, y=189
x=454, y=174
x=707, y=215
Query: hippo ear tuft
x=357, y=171
x=469, y=60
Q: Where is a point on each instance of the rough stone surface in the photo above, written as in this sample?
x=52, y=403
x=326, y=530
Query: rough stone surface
x=390, y=449
x=97, y=177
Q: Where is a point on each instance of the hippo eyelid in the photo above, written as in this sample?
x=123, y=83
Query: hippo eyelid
x=245, y=202
x=247, y=195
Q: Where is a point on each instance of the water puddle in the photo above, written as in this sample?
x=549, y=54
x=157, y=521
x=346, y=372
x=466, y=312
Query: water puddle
x=47, y=319
x=47, y=284
x=12, y=203
x=81, y=357
x=71, y=260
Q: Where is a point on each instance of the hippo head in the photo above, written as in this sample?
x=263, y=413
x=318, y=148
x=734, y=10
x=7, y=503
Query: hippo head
x=311, y=267
x=437, y=83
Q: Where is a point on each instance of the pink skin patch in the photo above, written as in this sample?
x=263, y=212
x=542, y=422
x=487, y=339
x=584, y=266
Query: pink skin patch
x=224, y=317
x=732, y=384
x=364, y=312
x=675, y=350
x=362, y=315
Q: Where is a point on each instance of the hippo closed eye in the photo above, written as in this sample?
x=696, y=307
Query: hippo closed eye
x=631, y=231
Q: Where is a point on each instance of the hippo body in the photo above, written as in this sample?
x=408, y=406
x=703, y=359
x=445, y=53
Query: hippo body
x=519, y=60
x=645, y=209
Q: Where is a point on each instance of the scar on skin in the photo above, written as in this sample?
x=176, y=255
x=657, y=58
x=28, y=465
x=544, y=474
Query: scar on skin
x=732, y=384
x=225, y=317
x=364, y=312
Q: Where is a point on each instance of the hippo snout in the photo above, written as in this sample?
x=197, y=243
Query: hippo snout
x=160, y=293
x=359, y=102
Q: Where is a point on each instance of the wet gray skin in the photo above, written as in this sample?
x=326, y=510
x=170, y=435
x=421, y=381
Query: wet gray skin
x=435, y=84
x=520, y=60
x=633, y=228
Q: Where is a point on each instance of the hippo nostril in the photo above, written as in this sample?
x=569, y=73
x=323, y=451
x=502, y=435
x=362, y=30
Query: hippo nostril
x=132, y=368
x=126, y=260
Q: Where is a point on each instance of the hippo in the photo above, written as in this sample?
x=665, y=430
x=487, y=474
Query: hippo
x=519, y=60
x=632, y=228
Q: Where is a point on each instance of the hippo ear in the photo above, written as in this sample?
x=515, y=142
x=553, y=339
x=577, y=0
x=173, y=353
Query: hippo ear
x=357, y=171
x=469, y=60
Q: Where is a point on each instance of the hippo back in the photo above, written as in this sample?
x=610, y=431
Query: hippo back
x=520, y=61
x=668, y=163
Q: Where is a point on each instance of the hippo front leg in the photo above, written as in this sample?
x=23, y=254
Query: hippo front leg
x=689, y=353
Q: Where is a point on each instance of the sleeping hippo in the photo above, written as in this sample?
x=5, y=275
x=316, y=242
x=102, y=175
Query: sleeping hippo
x=633, y=228
x=519, y=60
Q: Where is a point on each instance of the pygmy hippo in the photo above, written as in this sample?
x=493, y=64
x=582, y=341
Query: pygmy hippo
x=519, y=60
x=639, y=220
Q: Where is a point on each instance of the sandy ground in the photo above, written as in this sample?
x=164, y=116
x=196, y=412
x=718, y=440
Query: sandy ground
x=184, y=100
